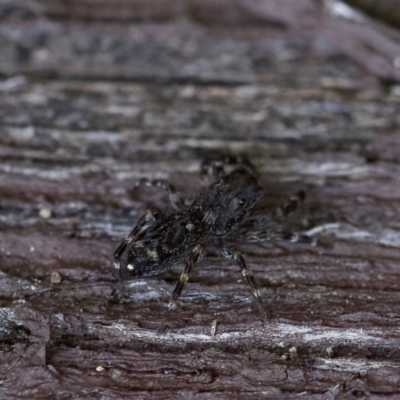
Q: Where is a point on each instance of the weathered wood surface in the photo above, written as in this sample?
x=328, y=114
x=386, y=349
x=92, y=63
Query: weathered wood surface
x=90, y=105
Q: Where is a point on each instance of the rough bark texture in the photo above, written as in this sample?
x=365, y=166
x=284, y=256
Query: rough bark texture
x=94, y=97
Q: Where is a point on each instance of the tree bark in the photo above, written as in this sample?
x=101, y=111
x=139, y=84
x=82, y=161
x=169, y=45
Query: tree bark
x=93, y=99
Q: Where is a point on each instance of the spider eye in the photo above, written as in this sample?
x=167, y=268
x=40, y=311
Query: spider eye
x=239, y=202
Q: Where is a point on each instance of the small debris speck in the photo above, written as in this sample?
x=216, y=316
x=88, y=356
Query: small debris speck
x=214, y=327
x=55, y=277
x=100, y=368
x=52, y=369
x=32, y=249
x=45, y=213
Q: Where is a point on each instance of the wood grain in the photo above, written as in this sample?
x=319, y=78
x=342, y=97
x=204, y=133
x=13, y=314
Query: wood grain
x=90, y=105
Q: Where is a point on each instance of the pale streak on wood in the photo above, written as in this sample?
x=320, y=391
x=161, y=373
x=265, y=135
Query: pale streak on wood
x=274, y=334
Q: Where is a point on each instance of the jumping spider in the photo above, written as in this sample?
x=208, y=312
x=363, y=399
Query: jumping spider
x=218, y=217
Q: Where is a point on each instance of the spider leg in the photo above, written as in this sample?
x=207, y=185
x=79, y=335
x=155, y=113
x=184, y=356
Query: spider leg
x=176, y=202
x=215, y=168
x=272, y=228
x=247, y=274
x=145, y=222
x=290, y=205
x=196, y=253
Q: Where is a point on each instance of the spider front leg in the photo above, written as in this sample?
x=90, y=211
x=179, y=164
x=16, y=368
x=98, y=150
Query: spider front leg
x=196, y=253
x=148, y=219
x=176, y=202
x=272, y=227
x=247, y=274
x=290, y=205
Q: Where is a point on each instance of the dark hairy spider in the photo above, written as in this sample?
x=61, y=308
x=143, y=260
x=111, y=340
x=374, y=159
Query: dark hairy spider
x=224, y=213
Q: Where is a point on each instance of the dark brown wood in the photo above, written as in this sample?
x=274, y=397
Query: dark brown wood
x=386, y=10
x=92, y=102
